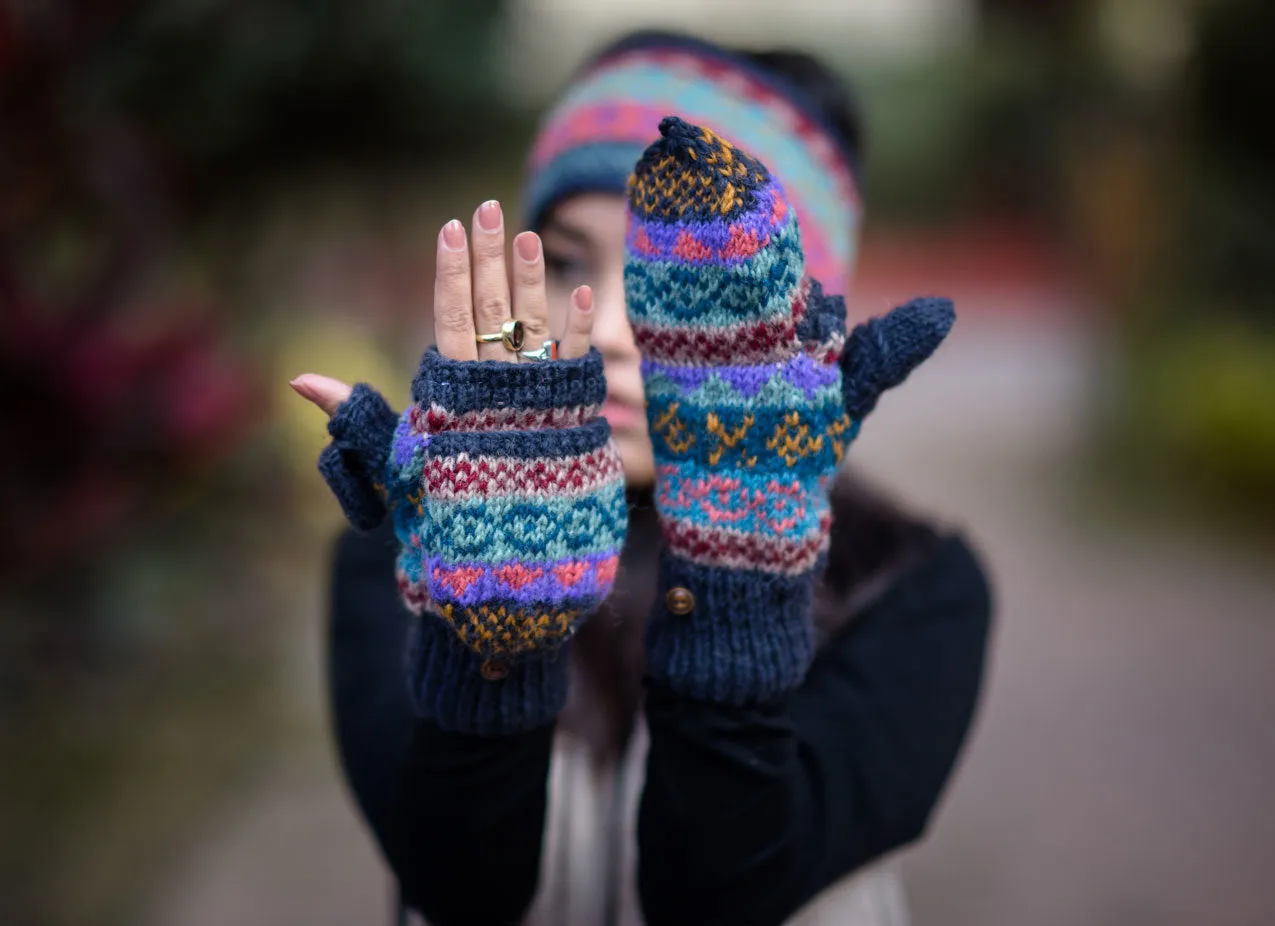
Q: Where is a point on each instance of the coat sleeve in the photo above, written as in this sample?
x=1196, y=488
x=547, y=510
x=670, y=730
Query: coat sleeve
x=750, y=812
x=459, y=818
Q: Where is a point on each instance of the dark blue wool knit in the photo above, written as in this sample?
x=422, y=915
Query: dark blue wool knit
x=447, y=685
x=507, y=497
x=881, y=352
x=353, y=464
x=473, y=385
x=748, y=640
x=753, y=394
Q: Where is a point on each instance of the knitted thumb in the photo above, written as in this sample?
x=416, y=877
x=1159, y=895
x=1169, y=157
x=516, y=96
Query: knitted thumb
x=353, y=465
x=881, y=352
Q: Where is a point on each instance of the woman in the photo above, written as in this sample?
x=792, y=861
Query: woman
x=733, y=735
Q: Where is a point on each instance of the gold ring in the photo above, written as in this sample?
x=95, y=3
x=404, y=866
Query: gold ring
x=511, y=335
x=546, y=351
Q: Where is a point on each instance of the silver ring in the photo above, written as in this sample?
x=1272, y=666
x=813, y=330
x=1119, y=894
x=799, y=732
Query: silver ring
x=546, y=351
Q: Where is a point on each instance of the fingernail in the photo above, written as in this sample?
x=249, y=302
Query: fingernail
x=489, y=215
x=528, y=246
x=454, y=236
x=584, y=299
x=302, y=389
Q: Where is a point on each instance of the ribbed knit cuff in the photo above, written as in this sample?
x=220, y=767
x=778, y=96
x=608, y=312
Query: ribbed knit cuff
x=463, y=693
x=353, y=465
x=480, y=389
x=746, y=639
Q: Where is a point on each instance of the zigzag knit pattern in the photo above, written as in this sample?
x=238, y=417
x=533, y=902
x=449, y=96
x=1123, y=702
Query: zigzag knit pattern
x=753, y=394
x=740, y=357
x=517, y=513
x=746, y=409
x=507, y=496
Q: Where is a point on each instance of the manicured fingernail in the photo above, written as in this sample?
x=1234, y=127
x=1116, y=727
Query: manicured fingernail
x=454, y=236
x=489, y=215
x=584, y=299
x=528, y=246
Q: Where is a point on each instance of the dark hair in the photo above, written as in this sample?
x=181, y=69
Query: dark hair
x=831, y=95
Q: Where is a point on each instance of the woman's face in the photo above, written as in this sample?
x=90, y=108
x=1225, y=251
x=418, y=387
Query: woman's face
x=584, y=244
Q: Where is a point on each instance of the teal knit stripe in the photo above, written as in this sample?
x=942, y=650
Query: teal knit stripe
x=746, y=501
x=410, y=564
x=511, y=531
x=533, y=504
x=678, y=295
x=738, y=437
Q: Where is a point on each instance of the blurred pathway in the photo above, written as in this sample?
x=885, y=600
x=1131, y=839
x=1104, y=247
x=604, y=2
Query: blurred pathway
x=1121, y=769
x=1122, y=765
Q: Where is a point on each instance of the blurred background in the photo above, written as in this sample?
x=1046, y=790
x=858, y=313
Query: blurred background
x=200, y=199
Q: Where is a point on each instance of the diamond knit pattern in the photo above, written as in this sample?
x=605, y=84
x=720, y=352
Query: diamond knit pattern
x=506, y=493
x=753, y=394
x=513, y=535
x=747, y=424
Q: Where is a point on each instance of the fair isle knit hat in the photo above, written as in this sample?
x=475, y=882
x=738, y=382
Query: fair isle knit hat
x=591, y=139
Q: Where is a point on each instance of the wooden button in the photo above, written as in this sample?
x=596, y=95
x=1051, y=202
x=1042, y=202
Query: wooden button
x=679, y=600
x=494, y=670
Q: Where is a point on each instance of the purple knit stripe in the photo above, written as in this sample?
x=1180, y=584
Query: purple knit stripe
x=810, y=375
x=407, y=441
x=480, y=583
x=802, y=371
x=660, y=239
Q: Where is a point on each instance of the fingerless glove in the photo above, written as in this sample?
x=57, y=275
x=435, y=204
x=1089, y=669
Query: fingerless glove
x=507, y=497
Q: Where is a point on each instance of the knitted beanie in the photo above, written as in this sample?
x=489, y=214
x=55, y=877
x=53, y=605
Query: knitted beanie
x=594, y=134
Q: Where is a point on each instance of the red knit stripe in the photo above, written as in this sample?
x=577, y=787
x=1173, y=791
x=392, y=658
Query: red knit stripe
x=733, y=550
x=455, y=478
x=772, y=341
x=752, y=342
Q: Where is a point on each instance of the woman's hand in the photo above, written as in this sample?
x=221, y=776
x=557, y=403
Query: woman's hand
x=473, y=295
x=502, y=482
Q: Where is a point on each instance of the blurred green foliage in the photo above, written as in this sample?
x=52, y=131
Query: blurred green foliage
x=1153, y=167
x=958, y=133
x=239, y=88
x=1198, y=395
x=1226, y=250
x=981, y=128
x=1194, y=419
